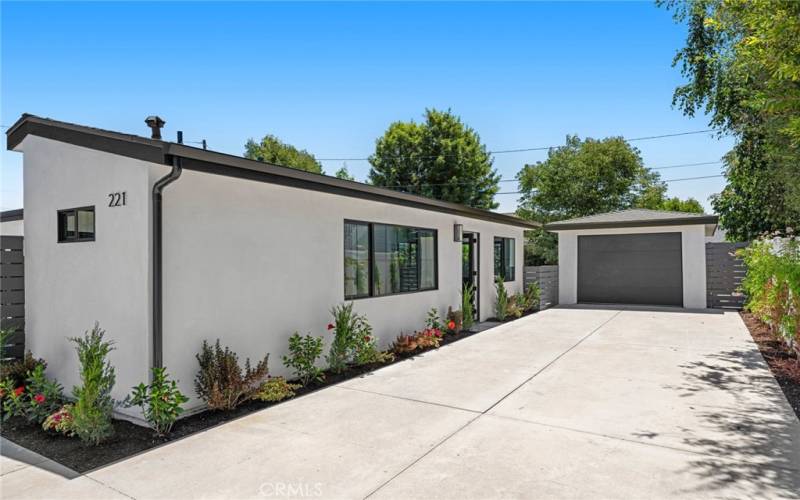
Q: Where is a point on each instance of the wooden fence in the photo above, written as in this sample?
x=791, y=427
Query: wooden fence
x=547, y=278
x=12, y=295
x=724, y=274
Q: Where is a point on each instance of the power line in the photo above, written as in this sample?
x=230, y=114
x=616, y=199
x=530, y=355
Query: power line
x=680, y=165
x=665, y=180
x=537, y=148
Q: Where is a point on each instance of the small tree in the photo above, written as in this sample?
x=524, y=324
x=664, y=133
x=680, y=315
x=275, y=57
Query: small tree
x=501, y=305
x=93, y=403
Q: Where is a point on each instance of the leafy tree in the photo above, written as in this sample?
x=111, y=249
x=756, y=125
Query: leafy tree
x=441, y=158
x=586, y=177
x=273, y=150
x=677, y=205
x=343, y=173
x=742, y=63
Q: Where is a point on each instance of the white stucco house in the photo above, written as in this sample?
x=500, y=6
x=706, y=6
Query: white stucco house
x=636, y=256
x=167, y=245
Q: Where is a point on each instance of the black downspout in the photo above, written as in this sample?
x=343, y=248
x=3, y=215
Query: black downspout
x=158, y=187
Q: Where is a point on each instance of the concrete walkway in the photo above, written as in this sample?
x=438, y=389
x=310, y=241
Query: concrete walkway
x=577, y=403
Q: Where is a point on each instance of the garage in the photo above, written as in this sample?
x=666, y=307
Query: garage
x=636, y=256
x=630, y=269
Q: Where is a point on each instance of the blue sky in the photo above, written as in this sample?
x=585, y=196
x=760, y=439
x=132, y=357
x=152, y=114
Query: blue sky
x=330, y=78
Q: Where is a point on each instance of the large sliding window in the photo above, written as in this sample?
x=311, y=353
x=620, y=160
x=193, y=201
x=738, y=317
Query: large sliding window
x=383, y=259
x=504, y=258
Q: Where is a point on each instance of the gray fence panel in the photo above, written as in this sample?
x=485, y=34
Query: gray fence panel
x=724, y=274
x=547, y=278
x=12, y=295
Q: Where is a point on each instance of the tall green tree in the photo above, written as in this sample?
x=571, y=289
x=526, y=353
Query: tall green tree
x=586, y=177
x=272, y=150
x=440, y=158
x=742, y=65
x=343, y=173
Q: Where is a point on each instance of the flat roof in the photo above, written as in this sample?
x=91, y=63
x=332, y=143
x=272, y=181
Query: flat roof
x=162, y=152
x=635, y=217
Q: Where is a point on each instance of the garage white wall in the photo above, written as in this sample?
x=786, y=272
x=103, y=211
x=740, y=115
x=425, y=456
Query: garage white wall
x=693, y=260
x=69, y=286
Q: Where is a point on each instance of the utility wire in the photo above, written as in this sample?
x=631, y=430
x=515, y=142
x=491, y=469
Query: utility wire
x=515, y=180
x=666, y=180
x=537, y=148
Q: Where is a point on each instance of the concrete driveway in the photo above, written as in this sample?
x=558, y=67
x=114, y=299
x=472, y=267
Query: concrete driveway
x=588, y=403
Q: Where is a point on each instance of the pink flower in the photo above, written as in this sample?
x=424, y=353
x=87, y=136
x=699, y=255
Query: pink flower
x=39, y=398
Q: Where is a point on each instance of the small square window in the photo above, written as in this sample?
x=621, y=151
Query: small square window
x=76, y=224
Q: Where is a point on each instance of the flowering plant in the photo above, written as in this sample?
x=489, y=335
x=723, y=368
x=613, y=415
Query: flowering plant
x=34, y=401
x=60, y=421
x=429, y=337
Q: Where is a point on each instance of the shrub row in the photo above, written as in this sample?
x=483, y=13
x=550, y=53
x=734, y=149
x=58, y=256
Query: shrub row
x=221, y=382
x=772, y=284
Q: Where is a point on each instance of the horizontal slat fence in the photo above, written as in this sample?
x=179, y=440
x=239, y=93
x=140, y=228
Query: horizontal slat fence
x=547, y=278
x=724, y=274
x=12, y=295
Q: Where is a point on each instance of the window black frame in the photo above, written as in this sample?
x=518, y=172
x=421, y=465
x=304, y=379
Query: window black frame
x=77, y=239
x=371, y=259
x=502, y=241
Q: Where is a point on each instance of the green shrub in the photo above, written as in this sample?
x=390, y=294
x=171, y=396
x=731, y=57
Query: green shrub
x=772, y=284
x=276, y=389
x=501, y=304
x=433, y=320
x=93, y=403
x=467, y=297
x=353, y=342
x=532, y=296
x=302, y=358
x=221, y=382
x=161, y=401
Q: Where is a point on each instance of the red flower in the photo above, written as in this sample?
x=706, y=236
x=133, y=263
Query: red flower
x=330, y=326
x=451, y=325
x=367, y=338
x=57, y=417
x=19, y=390
x=39, y=398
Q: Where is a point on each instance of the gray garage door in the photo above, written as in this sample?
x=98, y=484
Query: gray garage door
x=630, y=269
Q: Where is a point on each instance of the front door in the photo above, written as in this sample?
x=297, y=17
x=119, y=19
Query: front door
x=469, y=268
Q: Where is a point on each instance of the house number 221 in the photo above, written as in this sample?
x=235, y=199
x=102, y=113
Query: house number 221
x=117, y=199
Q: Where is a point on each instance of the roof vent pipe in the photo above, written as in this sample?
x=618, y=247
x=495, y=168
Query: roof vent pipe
x=155, y=123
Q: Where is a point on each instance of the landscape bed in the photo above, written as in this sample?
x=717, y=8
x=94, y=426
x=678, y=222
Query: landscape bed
x=783, y=363
x=130, y=439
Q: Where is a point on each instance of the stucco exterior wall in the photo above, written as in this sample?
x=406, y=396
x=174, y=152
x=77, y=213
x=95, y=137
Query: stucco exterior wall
x=69, y=286
x=693, y=259
x=251, y=263
x=12, y=228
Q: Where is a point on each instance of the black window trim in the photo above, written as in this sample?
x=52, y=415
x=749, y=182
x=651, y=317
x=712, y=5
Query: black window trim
x=371, y=259
x=75, y=210
x=503, y=256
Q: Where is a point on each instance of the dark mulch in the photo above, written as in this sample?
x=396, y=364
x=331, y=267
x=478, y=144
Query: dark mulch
x=782, y=361
x=130, y=439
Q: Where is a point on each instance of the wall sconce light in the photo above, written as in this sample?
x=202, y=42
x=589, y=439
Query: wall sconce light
x=458, y=232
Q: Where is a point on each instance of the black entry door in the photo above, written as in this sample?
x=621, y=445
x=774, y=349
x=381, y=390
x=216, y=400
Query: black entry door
x=630, y=269
x=469, y=267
